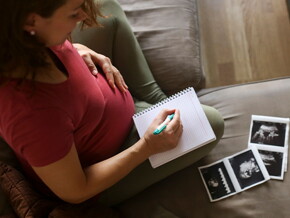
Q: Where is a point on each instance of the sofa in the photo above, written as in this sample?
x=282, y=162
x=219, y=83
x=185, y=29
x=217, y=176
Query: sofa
x=169, y=35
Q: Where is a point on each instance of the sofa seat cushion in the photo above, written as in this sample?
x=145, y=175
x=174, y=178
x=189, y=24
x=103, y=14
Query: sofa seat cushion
x=184, y=194
x=168, y=33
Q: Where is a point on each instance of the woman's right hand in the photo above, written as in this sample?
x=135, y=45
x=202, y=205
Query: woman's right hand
x=168, y=138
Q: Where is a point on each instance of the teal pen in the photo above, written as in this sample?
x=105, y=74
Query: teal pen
x=163, y=125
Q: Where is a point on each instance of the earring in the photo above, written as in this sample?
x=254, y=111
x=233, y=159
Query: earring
x=32, y=32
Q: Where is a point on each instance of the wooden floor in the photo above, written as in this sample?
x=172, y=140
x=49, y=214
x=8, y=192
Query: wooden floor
x=244, y=40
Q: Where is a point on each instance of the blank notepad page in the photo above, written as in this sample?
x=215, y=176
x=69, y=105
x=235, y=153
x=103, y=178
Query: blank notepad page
x=196, y=128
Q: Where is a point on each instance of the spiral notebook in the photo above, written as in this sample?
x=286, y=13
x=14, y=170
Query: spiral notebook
x=196, y=128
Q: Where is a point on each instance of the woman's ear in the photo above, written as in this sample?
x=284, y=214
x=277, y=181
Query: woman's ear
x=29, y=24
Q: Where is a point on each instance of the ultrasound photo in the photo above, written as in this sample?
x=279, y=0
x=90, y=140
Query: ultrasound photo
x=273, y=161
x=268, y=133
x=217, y=181
x=246, y=169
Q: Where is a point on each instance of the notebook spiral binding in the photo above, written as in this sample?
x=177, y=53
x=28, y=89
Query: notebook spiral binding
x=163, y=101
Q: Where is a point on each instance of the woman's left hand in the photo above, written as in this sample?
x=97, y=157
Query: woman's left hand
x=91, y=58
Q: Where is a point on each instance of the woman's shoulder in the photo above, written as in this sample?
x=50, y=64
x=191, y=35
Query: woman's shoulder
x=66, y=46
x=68, y=55
x=26, y=96
x=19, y=108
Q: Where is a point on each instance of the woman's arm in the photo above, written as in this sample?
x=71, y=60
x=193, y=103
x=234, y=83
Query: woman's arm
x=70, y=182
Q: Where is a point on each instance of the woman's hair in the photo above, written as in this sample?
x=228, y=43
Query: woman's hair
x=18, y=47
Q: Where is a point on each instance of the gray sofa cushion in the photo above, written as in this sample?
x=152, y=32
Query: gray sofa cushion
x=184, y=195
x=168, y=32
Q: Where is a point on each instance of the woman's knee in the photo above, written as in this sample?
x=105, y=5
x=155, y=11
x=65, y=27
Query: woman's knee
x=215, y=119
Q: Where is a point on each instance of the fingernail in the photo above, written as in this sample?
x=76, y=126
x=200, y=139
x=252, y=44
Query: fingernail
x=112, y=84
x=95, y=72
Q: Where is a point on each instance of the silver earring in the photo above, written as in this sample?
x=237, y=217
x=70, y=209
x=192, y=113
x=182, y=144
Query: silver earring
x=32, y=32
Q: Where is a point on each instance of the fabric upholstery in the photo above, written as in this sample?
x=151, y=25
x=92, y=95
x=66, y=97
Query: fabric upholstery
x=88, y=209
x=168, y=32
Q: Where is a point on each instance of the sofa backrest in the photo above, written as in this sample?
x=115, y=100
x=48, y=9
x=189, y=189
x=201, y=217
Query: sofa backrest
x=168, y=33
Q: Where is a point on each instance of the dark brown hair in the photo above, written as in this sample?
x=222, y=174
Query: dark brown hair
x=19, y=48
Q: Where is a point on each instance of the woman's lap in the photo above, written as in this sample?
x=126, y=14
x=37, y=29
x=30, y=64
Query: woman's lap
x=144, y=175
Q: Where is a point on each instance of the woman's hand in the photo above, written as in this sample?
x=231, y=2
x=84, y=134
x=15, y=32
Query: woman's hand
x=169, y=137
x=112, y=73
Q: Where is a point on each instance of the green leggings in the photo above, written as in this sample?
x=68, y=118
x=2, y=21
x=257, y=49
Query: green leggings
x=117, y=41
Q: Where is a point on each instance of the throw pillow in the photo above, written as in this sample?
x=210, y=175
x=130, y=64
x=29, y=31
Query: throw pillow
x=23, y=199
x=26, y=202
x=168, y=33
